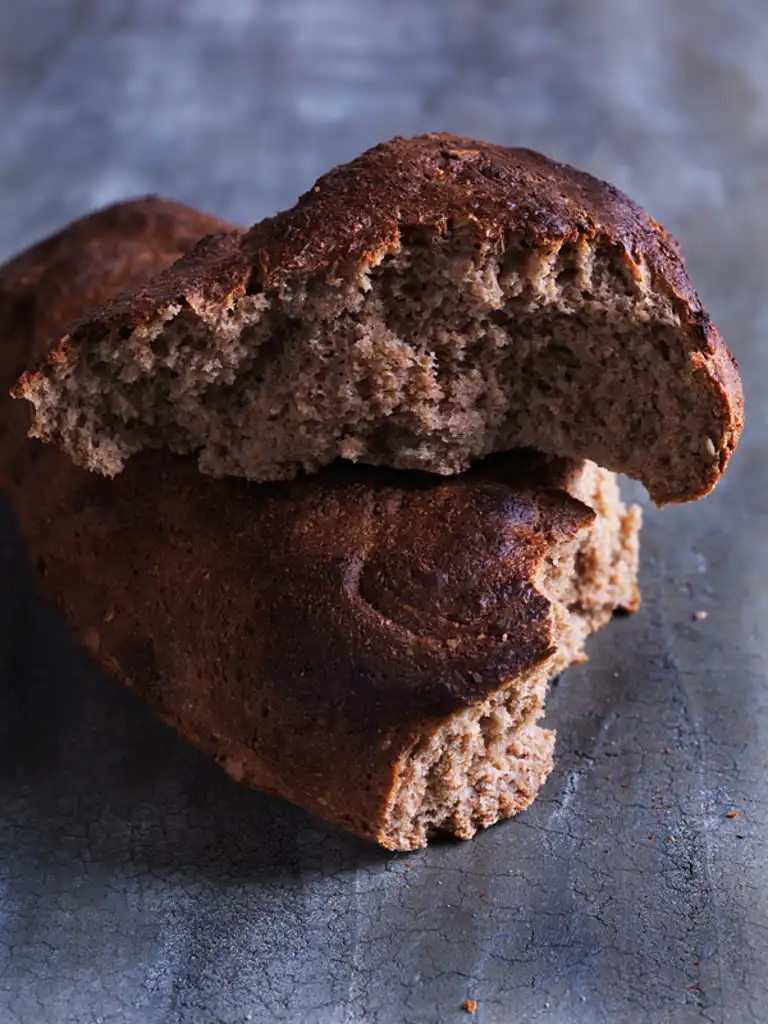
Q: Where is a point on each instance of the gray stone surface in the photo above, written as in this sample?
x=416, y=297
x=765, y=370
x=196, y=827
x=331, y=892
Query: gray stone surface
x=137, y=884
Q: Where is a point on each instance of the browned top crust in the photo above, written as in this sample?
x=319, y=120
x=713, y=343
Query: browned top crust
x=383, y=596
x=357, y=604
x=358, y=211
x=117, y=249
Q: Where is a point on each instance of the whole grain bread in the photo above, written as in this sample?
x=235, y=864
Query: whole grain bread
x=373, y=645
x=433, y=301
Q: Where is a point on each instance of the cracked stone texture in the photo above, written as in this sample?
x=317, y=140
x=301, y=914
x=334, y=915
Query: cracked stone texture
x=138, y=884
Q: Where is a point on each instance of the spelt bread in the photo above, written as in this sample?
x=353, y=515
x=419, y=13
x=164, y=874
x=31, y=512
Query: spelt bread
x=373, y=645
x=435, y=300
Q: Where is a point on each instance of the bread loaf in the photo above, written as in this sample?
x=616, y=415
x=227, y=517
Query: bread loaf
x=372, y=645
x=436, y=300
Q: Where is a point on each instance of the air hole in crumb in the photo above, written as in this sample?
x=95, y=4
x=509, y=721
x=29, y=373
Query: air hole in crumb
x=254, y=286
x=567, y=276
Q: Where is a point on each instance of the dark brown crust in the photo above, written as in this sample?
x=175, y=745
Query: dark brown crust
x=45, y=288
x=117, y=249
x=322, y=624
x=357, y=212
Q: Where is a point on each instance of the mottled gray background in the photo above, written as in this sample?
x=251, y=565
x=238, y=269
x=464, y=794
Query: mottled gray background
x=137, y=884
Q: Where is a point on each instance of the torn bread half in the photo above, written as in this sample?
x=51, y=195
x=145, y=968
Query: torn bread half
x=435, y=300
x=372, y=645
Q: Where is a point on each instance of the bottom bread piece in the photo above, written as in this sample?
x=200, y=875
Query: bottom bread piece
x=488, y=759
x=374, y=646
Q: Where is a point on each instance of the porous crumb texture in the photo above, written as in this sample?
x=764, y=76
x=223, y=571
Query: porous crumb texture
x=448, y=341
x=444, y=352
